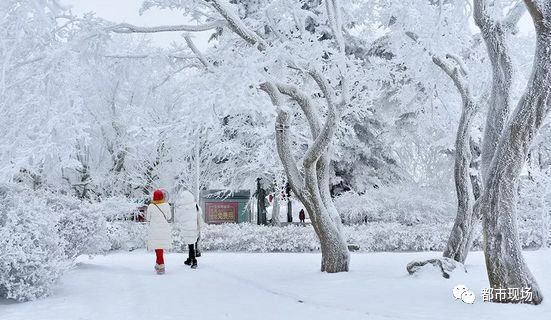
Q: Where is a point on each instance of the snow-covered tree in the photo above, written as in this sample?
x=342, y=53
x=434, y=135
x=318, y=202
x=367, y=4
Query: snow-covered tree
x=504, y=261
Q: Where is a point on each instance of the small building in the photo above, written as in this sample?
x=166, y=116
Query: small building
x=222, y=206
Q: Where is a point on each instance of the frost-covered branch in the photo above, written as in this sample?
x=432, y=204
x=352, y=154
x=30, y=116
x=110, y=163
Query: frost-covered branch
x=456, y=73
x=198, y=53
x=283, y=139
x=334, y=17
x=129, y=28
x=304, y=101
x=237, y=25
x=514, y=15
x=323, y=139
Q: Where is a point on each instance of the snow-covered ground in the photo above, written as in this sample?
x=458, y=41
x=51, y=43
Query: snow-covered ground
x=272, y=286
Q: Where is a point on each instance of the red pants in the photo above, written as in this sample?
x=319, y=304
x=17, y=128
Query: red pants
x=160, y=258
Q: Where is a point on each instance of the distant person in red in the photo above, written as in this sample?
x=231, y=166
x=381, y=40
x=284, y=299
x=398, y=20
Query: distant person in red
x=301, y=216
x=159, y=237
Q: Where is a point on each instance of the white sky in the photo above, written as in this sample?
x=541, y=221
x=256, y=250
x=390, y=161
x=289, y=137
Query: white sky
x=128, y=11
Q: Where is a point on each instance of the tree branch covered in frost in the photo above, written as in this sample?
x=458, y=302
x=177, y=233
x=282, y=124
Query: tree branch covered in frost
x=198, y=53
x=283, y=138
x=457, y=74
x=324, y=137
x=237, y=25
x=129, y=28
x=514, y=15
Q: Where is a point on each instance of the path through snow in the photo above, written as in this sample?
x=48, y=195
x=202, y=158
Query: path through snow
x=271, y=286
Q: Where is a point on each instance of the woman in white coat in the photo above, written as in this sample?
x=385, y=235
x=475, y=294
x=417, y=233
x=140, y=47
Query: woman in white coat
x=188, y=216
x=159, y=237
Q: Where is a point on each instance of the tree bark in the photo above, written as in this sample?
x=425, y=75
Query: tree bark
x=310, y=186
x=500, y=98
x=458, y=244
x=504, y=260
x=495, y=35
x=461, y=235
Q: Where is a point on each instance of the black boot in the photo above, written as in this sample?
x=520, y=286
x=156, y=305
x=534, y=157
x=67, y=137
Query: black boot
x=191, y=257
x=197, y=251
x=187, y=262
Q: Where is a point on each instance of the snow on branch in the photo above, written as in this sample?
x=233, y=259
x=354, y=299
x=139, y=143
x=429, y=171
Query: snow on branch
x=456, y=73
x=272, y=92
x=484, y=21
x=198, y=53
x=129, y=28
x=283, y=138
x=303, y=100
x=324, y=137
x=237, y=25
x=513, y=16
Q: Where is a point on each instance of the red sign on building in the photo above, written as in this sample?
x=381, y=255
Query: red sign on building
x=221, y=212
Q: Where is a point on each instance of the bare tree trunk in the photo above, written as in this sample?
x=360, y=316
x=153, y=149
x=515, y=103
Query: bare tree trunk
x=504, y=260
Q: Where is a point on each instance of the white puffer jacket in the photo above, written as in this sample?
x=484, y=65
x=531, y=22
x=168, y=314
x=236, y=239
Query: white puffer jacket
x=160, y=235
x=188, y=217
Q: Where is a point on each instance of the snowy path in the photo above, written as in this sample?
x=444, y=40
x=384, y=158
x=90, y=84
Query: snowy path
x=271, y=286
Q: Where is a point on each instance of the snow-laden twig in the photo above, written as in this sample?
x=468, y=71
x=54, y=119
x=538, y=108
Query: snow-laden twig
x=129, y=28
x=237, y=25
x=198, y=53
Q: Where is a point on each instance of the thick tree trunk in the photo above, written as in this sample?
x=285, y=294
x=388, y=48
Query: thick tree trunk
x=500, y=98
x=468, y=211
x=504, y=261
x=334, y=251
x=323, y=172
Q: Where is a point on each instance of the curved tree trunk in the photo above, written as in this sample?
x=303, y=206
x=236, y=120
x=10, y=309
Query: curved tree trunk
x=310, y=186
x=460, y=238
x=461, y=234
x=495, y=35
x=504, y=260
x=334, y=251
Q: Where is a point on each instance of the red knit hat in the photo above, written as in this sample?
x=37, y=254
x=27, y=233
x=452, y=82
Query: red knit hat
x=158, y=195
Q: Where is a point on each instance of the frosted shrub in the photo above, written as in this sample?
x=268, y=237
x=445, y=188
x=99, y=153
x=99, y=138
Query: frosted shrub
x=408, y=204
x=370, y=237
x=253, y=238
x=42, y=233
x=99, y=227
x=81, y=225
x=118, y=233
x=126, y=235
x=32, y=258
